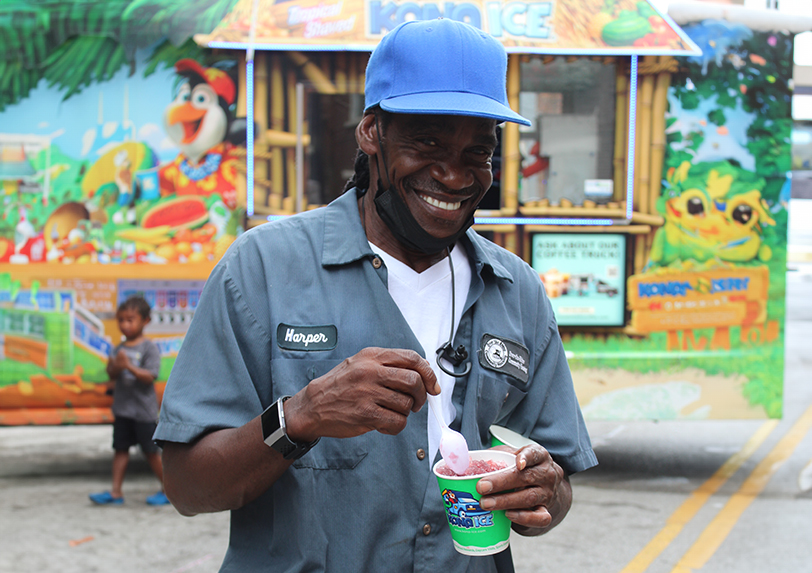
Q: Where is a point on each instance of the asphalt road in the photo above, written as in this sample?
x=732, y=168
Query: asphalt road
x=710, y=496
x=689, y=496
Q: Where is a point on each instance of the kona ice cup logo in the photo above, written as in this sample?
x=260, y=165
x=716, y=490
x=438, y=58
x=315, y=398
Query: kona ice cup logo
x=474, y=531
x=463, y=510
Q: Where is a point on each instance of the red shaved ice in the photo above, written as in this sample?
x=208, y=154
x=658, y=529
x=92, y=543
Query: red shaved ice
x=475, y=468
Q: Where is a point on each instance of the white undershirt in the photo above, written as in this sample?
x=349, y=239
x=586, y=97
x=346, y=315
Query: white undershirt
x=424, y=300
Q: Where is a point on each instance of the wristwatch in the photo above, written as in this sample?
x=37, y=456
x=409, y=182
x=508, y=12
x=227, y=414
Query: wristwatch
x=275, y=434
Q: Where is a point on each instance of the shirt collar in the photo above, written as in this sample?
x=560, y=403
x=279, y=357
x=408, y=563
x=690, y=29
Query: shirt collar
x=346, y=242
x=344, y=237
x=484, y=255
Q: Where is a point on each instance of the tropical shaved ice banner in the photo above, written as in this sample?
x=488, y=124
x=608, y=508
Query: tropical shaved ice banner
x=546, y=27
x=706, y=332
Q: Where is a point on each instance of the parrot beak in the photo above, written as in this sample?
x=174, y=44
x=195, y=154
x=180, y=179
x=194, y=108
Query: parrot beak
x=190, y=117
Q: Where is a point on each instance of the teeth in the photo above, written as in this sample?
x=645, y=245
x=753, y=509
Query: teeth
x=441, y=204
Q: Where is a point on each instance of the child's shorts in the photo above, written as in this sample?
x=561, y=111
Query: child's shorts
x=128, y=432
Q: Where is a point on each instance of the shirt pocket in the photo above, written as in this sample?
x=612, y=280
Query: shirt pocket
x=497, y=397
x=290, y=375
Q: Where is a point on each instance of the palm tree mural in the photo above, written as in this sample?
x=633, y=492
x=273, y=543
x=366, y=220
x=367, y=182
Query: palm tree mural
x=72, y=44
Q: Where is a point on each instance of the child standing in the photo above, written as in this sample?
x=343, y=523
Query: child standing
x=133, y=366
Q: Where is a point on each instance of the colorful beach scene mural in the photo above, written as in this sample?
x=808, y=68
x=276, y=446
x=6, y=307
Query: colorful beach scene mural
x=113, y=151
x=134, y=170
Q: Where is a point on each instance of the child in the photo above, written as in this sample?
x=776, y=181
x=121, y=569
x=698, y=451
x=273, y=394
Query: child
x=133, y=365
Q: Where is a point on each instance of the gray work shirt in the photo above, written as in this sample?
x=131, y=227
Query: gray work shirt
x=131, y=398
x=368, y=503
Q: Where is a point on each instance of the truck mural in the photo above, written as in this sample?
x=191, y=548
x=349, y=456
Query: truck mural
x=122, y=171
x=705, y=331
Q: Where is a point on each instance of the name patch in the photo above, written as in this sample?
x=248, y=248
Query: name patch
x=504, y=355
x=308, y=338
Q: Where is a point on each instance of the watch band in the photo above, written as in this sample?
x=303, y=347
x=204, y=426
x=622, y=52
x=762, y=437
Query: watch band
x=274, y=432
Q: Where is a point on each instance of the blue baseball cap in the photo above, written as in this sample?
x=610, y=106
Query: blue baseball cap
x=439, y=67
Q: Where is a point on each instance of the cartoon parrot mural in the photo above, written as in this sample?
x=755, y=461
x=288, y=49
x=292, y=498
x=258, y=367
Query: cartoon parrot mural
x=198, y=121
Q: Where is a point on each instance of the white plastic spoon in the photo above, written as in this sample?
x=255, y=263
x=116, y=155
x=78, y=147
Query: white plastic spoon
x=453, y=446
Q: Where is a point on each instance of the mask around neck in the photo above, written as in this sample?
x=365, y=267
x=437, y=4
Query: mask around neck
x=396, y=215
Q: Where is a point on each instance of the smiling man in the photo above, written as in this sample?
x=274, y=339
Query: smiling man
x=297, y=399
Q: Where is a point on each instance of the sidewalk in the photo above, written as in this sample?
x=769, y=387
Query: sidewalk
x=46, y=474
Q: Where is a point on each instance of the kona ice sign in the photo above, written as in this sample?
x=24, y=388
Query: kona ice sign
x=512, y=19
x=620, y=27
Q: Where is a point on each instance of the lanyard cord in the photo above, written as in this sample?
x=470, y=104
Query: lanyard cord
x=453, y=295
x=458, y=356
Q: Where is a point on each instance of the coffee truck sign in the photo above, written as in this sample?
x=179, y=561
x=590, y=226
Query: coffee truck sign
x=596, y=27
x=583, y=275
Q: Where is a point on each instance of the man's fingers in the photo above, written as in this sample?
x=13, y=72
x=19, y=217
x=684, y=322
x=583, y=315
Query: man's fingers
x=525, y=498
x=407, y=382
x=535, y=518
x=395, y=400
x=411, y=360
x=534, y=466
x=529, y=456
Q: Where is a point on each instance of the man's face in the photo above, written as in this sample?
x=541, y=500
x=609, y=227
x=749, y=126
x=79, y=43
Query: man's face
x=440, y=166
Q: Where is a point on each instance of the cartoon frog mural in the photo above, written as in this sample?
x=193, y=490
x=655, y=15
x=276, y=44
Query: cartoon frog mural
x=713, y=212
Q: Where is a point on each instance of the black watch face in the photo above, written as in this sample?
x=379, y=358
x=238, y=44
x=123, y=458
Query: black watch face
x=270, y=421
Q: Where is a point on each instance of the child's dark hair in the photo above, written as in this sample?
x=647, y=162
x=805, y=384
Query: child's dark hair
x=136, y=303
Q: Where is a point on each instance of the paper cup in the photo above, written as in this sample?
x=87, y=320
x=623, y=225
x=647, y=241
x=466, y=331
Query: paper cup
x=501, y=436
x=474, y=530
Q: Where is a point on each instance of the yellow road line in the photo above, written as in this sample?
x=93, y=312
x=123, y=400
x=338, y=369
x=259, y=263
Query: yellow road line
x=689, y=508
x=805, y=477
x=717, y=531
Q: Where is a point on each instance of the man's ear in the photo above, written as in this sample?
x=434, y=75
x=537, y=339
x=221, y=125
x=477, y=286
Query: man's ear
x=366, y=134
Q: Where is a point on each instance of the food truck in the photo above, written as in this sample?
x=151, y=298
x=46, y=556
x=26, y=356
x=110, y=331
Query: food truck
x=139, y=138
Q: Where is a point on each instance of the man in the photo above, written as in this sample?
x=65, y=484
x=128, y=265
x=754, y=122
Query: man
x=329, y=317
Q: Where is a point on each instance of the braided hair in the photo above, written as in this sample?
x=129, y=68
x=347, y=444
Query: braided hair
x=360, y=178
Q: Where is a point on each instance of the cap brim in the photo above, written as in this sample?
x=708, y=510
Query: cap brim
x=452, y=103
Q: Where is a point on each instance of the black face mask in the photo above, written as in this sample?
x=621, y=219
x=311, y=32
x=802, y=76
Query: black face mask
x=396, y=215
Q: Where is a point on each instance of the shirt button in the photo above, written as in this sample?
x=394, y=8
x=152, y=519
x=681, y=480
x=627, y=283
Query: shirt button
x=377, y=262
x=421, y=454
x=426, y=529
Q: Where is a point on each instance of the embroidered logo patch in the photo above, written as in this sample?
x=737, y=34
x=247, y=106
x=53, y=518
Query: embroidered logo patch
x=308, y=338
x=495, y=352
x=504, y=355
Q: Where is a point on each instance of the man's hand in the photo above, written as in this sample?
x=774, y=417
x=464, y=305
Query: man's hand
x=536, y=494
x=376, y=389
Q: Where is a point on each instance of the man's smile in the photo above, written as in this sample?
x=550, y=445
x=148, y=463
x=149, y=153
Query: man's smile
x=441, y=204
